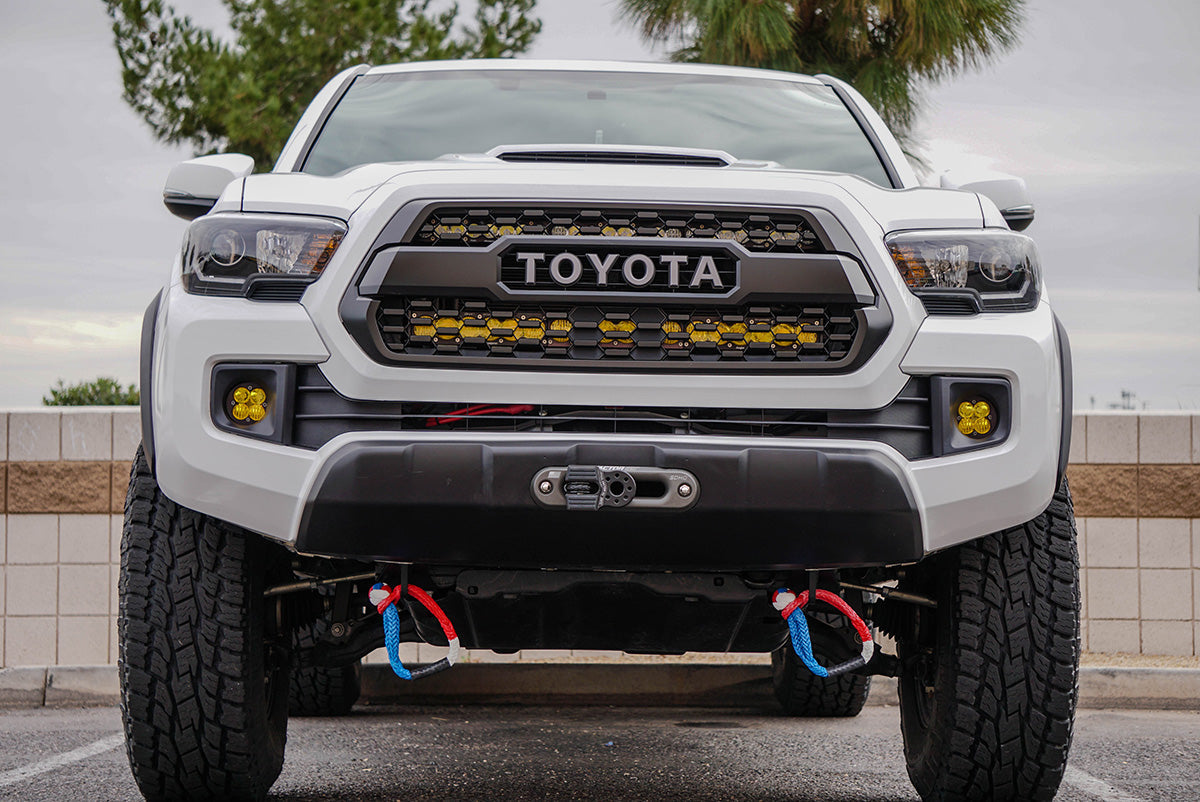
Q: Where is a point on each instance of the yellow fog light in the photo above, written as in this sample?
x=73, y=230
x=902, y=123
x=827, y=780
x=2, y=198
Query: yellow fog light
x=249, y=404
x=975, y=418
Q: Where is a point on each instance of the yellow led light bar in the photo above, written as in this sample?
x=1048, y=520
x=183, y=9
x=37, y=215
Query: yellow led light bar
x=761, y=232
x=616, y=332
x=494, y=232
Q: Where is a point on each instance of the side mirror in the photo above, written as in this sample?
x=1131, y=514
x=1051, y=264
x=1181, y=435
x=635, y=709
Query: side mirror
x=193, y=186
x=1006, y=191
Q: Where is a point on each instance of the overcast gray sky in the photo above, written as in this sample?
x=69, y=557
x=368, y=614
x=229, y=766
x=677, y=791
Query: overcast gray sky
x=1098, y=109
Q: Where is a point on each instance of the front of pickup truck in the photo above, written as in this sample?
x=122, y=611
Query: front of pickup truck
x=780, y=341
x=579, y=355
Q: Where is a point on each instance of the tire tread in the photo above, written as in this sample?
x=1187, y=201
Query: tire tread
x=1007, y=691
x=194, y=729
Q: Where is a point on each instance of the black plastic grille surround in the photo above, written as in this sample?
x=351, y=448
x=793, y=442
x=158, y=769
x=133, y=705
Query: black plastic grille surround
x=422, y=326
x=762, y=231
x=320, y=413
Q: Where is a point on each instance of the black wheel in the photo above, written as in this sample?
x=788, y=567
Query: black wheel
x=203, y=677
x=801, y=692
x=320, y=690
x=988, y=709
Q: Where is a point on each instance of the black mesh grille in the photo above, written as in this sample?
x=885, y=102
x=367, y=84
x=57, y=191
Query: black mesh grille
x=451, y=327
x=949, y=304
x=322, y=414
x=276, y=290
x=769, y=232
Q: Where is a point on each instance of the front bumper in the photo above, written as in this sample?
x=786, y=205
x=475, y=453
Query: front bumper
x=443, y=500
x=275, y=489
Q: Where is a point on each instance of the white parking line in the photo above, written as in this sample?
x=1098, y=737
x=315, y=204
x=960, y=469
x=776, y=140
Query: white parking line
x=1096, y=786
x=58, y=761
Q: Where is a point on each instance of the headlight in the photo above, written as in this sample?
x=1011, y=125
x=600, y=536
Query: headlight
x=999, y=268
x=222, y=252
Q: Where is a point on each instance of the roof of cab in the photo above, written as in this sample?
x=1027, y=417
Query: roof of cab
x=569, y=65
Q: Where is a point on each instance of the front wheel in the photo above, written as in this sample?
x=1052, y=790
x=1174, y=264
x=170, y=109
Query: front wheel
x=318, y=690
x=203, y=665
x=987, y=701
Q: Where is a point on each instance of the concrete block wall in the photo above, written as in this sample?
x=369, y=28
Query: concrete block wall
x=1135, y=478
x=63, y=473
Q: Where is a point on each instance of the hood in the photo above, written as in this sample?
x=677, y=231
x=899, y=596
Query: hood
x=342, y=195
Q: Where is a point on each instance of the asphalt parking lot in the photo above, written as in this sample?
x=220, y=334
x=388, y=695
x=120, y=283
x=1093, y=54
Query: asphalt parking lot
x=518, y=753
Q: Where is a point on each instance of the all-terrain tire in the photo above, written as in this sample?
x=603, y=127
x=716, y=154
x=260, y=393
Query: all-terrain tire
x=320, y=690
x=990, y=715
x=802, y=693
x=203, y=684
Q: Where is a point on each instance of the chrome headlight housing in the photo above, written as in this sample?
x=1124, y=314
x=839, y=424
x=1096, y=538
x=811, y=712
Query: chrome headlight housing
x=222, y=253
x=1000, y=269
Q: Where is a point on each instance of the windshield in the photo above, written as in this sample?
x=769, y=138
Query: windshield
x=408, y=116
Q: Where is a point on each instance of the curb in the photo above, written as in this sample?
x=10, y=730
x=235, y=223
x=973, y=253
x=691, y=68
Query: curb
x=1140, y=688
x=59, y=686
x=664, y=685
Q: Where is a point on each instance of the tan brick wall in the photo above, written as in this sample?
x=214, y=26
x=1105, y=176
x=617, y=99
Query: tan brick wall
x=63, y=473
x=1104, y=490
x=1132, y=491
x=59, y=487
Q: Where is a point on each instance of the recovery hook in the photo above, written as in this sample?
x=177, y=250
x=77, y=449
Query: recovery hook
x=384, y=598
x=790, y=606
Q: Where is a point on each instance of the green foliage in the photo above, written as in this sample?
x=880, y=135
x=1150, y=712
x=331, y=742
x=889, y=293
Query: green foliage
x=245, y=95
x=104, y=392
x=884, y=48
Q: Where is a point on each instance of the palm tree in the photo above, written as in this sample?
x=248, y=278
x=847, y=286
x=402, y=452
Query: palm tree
x=884, y=48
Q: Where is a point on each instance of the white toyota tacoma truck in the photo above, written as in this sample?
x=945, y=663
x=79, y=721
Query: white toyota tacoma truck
x=600, y=356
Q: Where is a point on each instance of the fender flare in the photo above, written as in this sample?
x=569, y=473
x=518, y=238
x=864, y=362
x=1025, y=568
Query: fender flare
x=146, y=379
x=1064, y=363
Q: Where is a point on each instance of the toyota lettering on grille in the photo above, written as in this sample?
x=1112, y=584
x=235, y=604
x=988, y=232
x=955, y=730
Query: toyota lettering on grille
x=709, y=271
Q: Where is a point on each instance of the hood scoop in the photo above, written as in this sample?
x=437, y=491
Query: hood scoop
x=613, y=154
